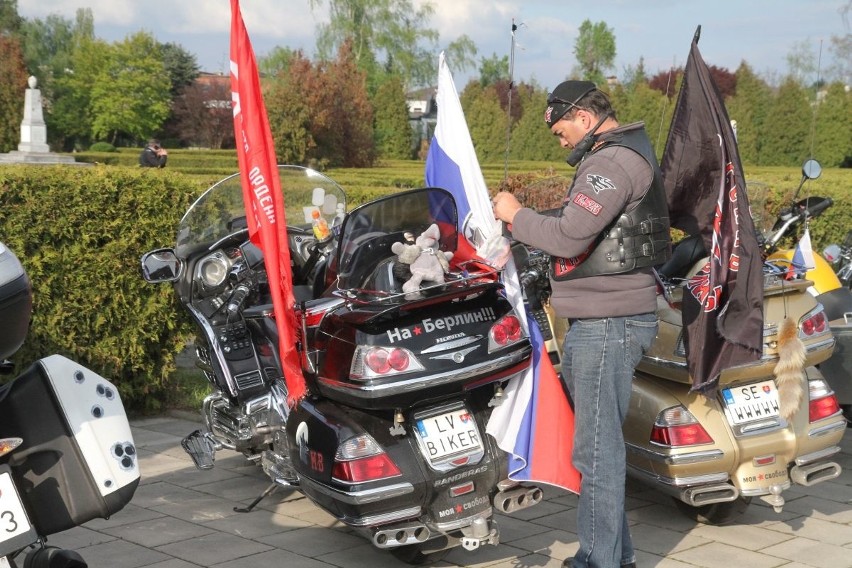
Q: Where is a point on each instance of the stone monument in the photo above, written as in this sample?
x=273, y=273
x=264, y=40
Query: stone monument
x=33, y=148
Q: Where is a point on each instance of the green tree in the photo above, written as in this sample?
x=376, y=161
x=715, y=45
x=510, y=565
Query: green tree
x=801, y=62
x=493, y=69
x=13, y=82
x=531, y=139
x=787, y=140
x=390, y=36
x=486, y=121
x=394, y=136
x=644, y=104
x=10, y=20
x=276, y=61
x=181, y=66
x=290, y=106
x=749, y=107
x=595, y=51
x=832, y=131
x=130, y=93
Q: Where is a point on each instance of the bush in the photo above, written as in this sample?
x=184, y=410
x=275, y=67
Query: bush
x=102, y=147
x=80, y=232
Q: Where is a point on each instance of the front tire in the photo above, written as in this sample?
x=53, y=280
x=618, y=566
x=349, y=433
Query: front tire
x=715, y=513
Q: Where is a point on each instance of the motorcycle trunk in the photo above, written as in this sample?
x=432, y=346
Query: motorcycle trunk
x=77, y=461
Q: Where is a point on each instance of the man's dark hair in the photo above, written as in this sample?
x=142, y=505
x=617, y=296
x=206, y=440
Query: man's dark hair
x=595, y=102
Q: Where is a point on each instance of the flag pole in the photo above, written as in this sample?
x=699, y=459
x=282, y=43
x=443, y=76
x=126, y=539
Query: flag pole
x=509, y=109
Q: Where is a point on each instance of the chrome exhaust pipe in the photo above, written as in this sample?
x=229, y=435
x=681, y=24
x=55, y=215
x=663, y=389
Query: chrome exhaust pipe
x=707, y=494
x=814, y=473
x=401, y=535
x=517, y=499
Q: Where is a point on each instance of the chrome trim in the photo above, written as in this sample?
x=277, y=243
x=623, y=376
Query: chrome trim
x=671, y=483
x=360, y=497
x=214, y=345
x=827, y=429
x=676, y=459
x=765, y=490
x=404, y=386
x=818, y=455
x=467, y=521
x=671, y=364
x=461, y=342
x=383, y=518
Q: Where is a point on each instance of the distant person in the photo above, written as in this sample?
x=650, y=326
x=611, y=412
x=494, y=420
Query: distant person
x=153, y=155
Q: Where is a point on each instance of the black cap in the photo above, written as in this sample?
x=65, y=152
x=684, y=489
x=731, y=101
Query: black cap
x=566, y=95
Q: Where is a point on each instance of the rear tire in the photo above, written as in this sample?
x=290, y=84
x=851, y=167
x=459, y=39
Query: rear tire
x=413, y=553
x=715, y=513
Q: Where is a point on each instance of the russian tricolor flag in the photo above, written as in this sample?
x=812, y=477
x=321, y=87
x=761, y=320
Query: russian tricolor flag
x=535, y=423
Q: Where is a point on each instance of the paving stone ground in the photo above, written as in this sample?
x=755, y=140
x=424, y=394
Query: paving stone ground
x=184, y=518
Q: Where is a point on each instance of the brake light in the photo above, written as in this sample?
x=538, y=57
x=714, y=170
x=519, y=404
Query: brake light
x=677, y=427
x=822, y=402
x=813, y=324
x=361, y=459
x=371, y=361
x=506, y=331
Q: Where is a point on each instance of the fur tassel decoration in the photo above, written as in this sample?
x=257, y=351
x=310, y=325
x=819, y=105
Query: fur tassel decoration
x=790, y=370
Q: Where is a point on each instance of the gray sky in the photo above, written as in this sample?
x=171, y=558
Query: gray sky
x=762, y=32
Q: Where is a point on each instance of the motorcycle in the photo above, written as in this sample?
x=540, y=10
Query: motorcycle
x=401, y=381
x=827, y=286
x=840, y=255
x=714, y=454
x=66, y=453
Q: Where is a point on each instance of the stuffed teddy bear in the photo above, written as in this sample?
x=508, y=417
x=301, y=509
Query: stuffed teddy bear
x=426, y=262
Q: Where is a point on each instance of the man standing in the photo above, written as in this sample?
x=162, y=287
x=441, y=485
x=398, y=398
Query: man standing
x=613, y=228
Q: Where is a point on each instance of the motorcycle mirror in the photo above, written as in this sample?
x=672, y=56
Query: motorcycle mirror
x=161, y=265
x=811, y=169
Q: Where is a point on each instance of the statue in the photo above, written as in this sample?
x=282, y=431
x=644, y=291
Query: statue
x=33, y=148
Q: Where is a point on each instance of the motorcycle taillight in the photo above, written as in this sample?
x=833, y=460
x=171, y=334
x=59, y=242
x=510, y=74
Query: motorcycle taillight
x=813, y=323
x=506, y=331
x=372, y=361
x=361, y=459
x=677, y=427
x=822, y=403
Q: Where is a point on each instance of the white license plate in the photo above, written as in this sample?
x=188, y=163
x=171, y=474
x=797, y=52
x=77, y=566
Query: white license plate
x=747, y=403
x=13, y=519
x=449, y=434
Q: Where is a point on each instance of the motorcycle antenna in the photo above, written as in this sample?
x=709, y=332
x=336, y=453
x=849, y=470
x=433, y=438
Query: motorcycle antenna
x=509, y=106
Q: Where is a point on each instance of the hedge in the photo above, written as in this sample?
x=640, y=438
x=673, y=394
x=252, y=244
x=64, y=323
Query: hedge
x=80, y=232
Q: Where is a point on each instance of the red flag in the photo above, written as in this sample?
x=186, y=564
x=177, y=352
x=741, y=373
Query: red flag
x=262, y=195
x=723, y=303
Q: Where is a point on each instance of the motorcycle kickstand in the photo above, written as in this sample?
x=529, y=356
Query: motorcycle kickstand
x=257, y=500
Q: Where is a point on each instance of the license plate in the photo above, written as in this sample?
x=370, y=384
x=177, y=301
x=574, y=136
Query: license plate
x=16, y=531
x=748, y=403
x=453, y=433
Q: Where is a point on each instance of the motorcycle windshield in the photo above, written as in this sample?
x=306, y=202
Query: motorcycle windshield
x=220, y=210
x=369, y=231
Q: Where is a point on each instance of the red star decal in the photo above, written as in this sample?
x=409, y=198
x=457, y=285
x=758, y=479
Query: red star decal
x=458, y=508
x=760, y=476
x=417, y=330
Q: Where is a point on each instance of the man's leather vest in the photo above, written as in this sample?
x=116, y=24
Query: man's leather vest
x=635, y=239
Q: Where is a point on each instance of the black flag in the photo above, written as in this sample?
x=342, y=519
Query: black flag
x=723, y=303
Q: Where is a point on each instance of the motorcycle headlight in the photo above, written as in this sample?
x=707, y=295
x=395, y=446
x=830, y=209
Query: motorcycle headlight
x=213, y=270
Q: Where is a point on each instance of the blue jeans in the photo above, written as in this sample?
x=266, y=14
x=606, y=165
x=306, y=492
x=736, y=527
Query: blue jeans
x=599, y=357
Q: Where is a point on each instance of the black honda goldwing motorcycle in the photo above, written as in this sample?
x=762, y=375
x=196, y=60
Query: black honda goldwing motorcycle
x=66, y=451
x=390, y=438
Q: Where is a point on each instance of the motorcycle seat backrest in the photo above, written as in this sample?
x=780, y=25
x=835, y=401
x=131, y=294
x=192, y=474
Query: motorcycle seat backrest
x=685, y=253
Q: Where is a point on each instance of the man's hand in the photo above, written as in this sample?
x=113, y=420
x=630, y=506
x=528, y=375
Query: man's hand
x=505, y=206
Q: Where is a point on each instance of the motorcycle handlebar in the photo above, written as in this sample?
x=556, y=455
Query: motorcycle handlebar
x=238, y=298
x=819, y=207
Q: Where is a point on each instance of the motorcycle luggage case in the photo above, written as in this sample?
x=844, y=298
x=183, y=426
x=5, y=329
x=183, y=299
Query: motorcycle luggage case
x=77, y=461
x=15, y=303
